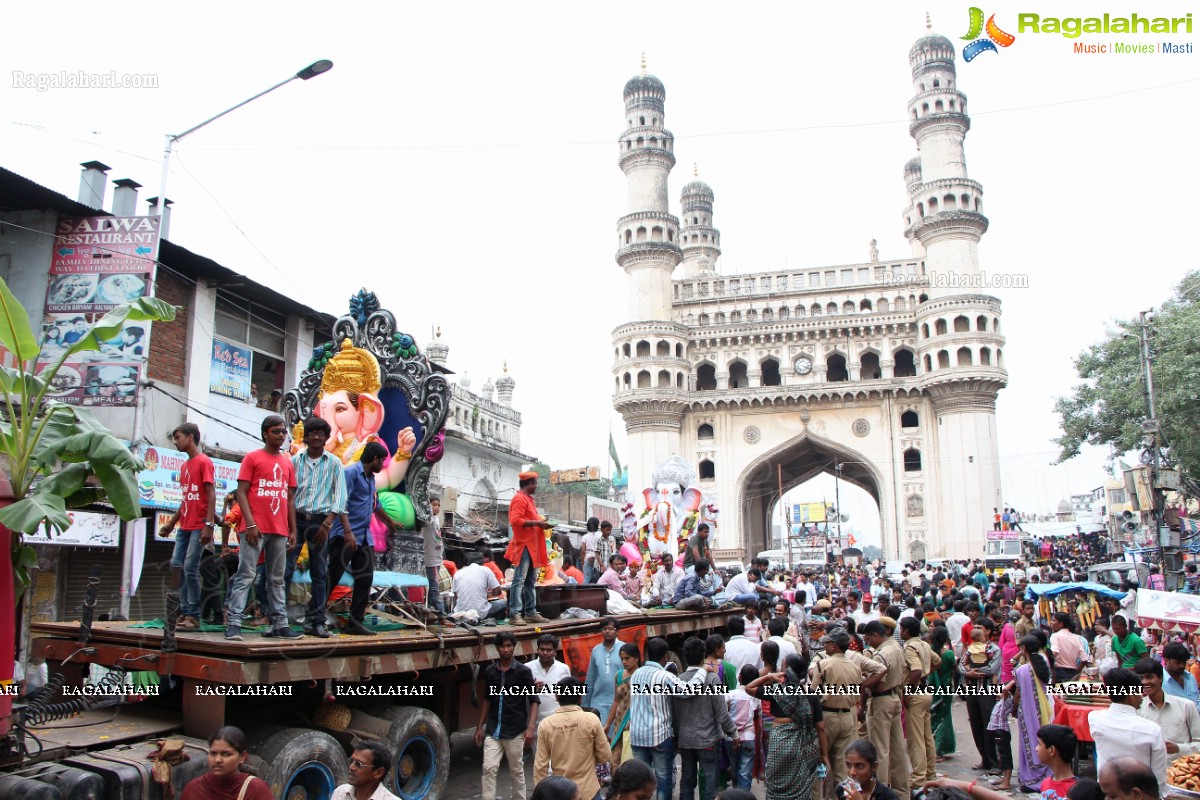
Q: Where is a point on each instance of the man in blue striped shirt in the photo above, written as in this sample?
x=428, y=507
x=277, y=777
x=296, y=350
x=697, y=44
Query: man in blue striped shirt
x=320, y=500
x=651, y=726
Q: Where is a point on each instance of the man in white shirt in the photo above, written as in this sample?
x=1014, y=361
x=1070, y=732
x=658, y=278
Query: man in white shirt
x=741, y=588
x=474, y=587
x=368, y=767
x=547, y=672
x=738, y=649
x=1177, y=717
x=864, y=614
x=778, y=627
x=954, y=626
x=805, y=591
x=1119, y=731
x=1016, y=574
x=666, y=578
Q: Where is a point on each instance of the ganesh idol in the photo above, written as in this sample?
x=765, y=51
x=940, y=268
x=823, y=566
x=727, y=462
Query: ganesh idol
x=349, y=402
x=674, y=506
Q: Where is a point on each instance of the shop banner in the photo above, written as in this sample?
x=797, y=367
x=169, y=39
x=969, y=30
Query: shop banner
x=87, y=529
x=230, y=373
x=158, y=484
x=98, y=263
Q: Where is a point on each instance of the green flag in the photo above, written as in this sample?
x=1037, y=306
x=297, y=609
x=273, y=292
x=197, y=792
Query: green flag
x=612, y=452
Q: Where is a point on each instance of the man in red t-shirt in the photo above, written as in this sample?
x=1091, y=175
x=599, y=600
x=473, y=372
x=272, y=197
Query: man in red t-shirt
x=526, y=551
x=266, y=482
x=194, y=518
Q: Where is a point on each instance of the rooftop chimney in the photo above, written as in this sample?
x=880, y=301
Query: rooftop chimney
x=125, y=197
x=164, y=227
x=92, y=184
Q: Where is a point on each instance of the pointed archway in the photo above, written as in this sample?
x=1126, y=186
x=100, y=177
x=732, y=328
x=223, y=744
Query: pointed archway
x=793, y=463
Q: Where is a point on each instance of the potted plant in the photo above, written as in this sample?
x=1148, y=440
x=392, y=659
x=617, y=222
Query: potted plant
x=53, y=455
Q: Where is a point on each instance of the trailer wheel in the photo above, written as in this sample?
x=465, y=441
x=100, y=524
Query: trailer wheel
x=421, y=752
x=303, y=764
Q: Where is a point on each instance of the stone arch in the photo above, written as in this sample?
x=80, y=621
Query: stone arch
x=625, y=349
x=912, y=460
x=916, y=550
x=962, y=324
x=848, y=307
x=678, y=380
x=831, y=309
x=943, y=359
x=924, y=330
x=865, y=306
x=643, y=349
x=705, y=433
x=628, y=382
x=985, y=356
x=703, y=319
x=815, y=310
x=664, y=379
x=964, y=357
x=910, y=419
x=679, y=350
x=706, y=470
x=706, y=377
x=770, y=372
x=835, y=368
x=642, y=234
x=868, y=366
x=662, y=349
x=928, y=363
x=981, y=324
x=643, y=379
x=905, y=363
x=738, y=374
x=940, y=328
x=785, y=312
x=882, y=305
x=792, y=463
x=801, y=312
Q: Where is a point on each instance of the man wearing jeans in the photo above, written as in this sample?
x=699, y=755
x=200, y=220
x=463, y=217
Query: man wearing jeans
x=195, y=519
x=266, y=484
x=700, y=719
x=526, y=550
x=507, y=717
x=651, y=731
x=320, y=499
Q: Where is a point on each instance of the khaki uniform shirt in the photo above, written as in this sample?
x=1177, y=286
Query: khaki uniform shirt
x=842, y=676
x=918, y=656
x=891, y=656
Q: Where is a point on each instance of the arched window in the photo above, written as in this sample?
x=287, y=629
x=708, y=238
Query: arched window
x=985, y=356
x=643, y=349
x=962, y=325
x=835, y=368
x=831, y=309
x=707, y=470
x=664, y=379
x=644, y=380
x=928, y=363
x=868, y=367
x=981, y=324
x=738, y=378
x=898, y=305
x=767, y=315
x=642, y=233
x=1000, y=358
x=752, y=316
x=964, y=356
x=815, y=310
x=912, y=460
x=906, y=365
x=785, y=313
x=705, y=432
x=924, y=330
x=663, y=349
x=940, y=327
x=909, y=419
x=735, y=316
x=943, y=359
x=656, y=234
x=706, y=378
x=625, y=349
x=770, y=373
x=801, y=312
x=628, y=236
x=848, y=307
x=720, y=318
x=865, y=306
x=679, y=351
x=703, y=319
x=627, y=382
x=882, y=306
x=995, y=324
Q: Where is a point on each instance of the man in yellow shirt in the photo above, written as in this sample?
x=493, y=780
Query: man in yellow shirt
x=572, y=741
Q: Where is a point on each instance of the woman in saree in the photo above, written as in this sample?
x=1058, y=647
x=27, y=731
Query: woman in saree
x=617, y=723
x=943, y=701
x=798, y=743
x=1033, y=708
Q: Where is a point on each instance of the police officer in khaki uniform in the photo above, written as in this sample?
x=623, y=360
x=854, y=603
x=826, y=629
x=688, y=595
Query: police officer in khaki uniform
x=884, y=726
x=918, y=657
x=840, y=679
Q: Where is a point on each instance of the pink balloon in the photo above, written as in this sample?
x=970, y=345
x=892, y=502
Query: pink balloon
x=631, y=553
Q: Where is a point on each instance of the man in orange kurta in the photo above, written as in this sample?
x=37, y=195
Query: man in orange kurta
x=527, y=552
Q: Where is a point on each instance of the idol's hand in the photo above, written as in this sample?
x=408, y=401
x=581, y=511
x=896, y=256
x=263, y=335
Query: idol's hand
x=406, y=441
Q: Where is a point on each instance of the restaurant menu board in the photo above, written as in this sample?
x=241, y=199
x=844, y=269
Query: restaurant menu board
x=158, y=484
x=98, y=263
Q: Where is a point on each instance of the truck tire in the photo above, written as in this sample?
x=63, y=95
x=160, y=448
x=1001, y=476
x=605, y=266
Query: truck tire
x=421, y=752
x=302, y=764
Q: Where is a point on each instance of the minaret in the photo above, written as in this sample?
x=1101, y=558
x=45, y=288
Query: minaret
x=700, y=240
x=504, y=388
x=959, y=344
x=945, y=214
x=651, y=370
x=437, y=350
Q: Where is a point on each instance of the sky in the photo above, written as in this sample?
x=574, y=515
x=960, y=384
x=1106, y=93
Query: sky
x=460, y=159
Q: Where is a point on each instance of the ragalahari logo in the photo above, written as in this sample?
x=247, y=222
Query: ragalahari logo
x=995, y=36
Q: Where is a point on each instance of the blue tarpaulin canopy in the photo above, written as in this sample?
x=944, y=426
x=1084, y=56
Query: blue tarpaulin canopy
x=1036, y=590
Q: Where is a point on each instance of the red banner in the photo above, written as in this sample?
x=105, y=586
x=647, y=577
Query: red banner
x=577, y=650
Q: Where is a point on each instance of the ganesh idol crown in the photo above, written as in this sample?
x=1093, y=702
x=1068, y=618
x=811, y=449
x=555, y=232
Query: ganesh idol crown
x=372, y=384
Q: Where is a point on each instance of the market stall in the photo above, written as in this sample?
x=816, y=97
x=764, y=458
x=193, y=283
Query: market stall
x=1052, y=597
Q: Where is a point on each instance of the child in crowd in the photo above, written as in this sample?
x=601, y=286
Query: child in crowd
x=977, y=650
x=1056, y=749
x=743, y=709
x=754, y=624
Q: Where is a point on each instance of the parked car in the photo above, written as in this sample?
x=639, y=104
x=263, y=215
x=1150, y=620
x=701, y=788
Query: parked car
x=1112, y=573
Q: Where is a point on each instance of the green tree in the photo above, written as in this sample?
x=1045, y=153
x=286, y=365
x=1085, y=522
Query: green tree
x=1108, y=407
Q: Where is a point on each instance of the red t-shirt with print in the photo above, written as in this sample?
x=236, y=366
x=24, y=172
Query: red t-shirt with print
x=196, y=473
x=271, y=478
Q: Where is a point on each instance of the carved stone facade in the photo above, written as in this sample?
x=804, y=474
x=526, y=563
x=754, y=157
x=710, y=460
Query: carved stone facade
x=885, y=368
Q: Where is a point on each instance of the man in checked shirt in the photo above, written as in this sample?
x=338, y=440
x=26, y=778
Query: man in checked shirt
x=320, y=499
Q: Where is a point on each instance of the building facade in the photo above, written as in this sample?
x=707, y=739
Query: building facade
x=883, y=372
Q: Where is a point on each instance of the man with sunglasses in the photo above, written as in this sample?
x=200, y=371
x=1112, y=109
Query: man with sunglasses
x=368, y=767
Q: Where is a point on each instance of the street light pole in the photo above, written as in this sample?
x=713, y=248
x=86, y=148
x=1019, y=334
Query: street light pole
x=311, y=71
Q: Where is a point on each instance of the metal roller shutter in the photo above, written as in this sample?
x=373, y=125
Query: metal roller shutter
x=148, y=603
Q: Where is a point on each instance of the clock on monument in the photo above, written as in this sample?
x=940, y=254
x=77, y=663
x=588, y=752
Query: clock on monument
x=803, y=365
